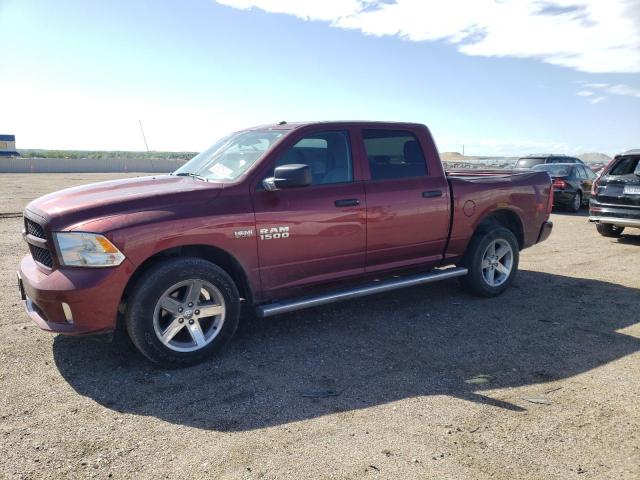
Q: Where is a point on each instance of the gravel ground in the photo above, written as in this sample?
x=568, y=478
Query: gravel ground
x=427, y=382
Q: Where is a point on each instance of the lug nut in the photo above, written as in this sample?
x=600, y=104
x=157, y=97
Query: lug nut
x=190, y=304
x=197, y=312
x=190, y=322
x=180, y=320
x=180, y=309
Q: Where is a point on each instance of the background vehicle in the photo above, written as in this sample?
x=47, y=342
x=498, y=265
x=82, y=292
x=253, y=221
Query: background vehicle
x=572, y=183
x=533, y=160
x=284, y=217
x=615, y=200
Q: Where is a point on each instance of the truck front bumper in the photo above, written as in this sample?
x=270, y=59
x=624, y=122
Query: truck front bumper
x=73, y=301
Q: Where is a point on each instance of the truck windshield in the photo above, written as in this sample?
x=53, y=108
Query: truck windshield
x=230, y=157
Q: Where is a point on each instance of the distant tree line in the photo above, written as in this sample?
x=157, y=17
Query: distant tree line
x=105, y=154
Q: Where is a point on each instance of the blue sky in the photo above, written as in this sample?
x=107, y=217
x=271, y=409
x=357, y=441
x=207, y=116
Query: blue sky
x=536, y=76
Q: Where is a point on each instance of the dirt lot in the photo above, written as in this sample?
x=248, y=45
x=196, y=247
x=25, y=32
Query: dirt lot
x=427, y=382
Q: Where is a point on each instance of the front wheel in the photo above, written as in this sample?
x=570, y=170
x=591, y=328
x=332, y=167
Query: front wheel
x=182, y=311
x=492, y=260
x=607, y=230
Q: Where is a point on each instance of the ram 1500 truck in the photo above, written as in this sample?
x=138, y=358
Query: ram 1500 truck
x=281, y=217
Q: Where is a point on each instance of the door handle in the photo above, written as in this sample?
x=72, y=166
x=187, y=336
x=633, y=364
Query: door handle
x=347, y=202
x=432, y=194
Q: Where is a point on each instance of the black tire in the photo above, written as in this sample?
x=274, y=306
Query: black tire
x=475, y=282
x=576, y=205
x=152, y=286
x=607, y=230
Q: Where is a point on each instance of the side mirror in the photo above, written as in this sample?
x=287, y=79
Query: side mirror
x=289, y=176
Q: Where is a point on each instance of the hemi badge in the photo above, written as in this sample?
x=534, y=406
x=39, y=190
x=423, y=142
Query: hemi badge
x=243, y=233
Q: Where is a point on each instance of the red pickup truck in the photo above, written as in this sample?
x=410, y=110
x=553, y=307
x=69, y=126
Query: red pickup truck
x=281, y=217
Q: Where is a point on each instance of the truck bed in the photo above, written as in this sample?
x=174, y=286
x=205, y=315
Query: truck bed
x=519, y=194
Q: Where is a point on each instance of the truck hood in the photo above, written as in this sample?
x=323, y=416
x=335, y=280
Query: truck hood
x=65, y=208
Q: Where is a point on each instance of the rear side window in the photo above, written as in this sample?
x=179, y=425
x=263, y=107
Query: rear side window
x=529, y=162
x=626, y=166
x=327, y=154
x=554, y=170
x=394, y=154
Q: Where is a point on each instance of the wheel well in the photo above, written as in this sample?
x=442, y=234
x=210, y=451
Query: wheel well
x=215, y=255
x=504, y=218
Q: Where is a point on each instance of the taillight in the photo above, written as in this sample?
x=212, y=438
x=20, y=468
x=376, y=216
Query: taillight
x=559, y=183
x=550, y=201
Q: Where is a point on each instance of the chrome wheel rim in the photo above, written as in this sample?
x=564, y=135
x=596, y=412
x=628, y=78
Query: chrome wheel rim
x=189, y=315
x=497, y=262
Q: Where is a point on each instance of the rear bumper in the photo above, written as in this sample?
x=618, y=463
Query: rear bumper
x=618, y=222
x=545, y=231
x=73, y=301
x=623, y=216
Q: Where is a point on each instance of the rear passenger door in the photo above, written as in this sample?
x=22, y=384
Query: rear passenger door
x=407, y=205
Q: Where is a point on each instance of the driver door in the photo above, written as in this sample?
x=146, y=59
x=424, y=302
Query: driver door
x=312, y=234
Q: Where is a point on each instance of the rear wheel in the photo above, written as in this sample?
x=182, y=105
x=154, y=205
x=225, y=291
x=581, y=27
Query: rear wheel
x=492, y=260
x=182, y=311
x=607, y=230
x=576, y=204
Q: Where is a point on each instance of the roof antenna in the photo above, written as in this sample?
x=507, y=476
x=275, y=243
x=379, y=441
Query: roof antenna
x=143, y=137
x=282, y=123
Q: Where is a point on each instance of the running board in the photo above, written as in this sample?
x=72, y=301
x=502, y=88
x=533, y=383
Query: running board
x=291, y=305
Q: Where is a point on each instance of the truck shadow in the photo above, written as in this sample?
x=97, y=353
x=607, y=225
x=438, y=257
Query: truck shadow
x=427, y=340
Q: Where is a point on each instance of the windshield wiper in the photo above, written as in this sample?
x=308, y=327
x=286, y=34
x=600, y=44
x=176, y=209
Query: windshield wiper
x=190, y=174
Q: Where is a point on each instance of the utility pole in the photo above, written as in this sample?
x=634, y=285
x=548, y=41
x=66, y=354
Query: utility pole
x=143, y=137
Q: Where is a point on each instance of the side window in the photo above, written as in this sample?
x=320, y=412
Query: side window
x=580, y=172
x=591, y=174
x=394, y=154
x=327, y=154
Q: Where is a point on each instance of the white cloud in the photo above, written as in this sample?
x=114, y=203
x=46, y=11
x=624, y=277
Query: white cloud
x=597, y=99
x=584, y=93
x=503, y=146
x=626, y=90
x=617, y=89
x=595, y=36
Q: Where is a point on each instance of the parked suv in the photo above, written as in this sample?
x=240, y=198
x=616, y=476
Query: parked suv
x=531, y=161
x=615, y=198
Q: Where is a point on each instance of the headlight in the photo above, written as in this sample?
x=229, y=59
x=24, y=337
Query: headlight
x=79, y=249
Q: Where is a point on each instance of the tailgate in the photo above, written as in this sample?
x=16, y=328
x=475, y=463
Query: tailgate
x=621, y=184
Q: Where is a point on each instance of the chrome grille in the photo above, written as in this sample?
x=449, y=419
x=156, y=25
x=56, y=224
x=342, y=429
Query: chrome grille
x=41, y=255
x=39, y=249
x=33, y=228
